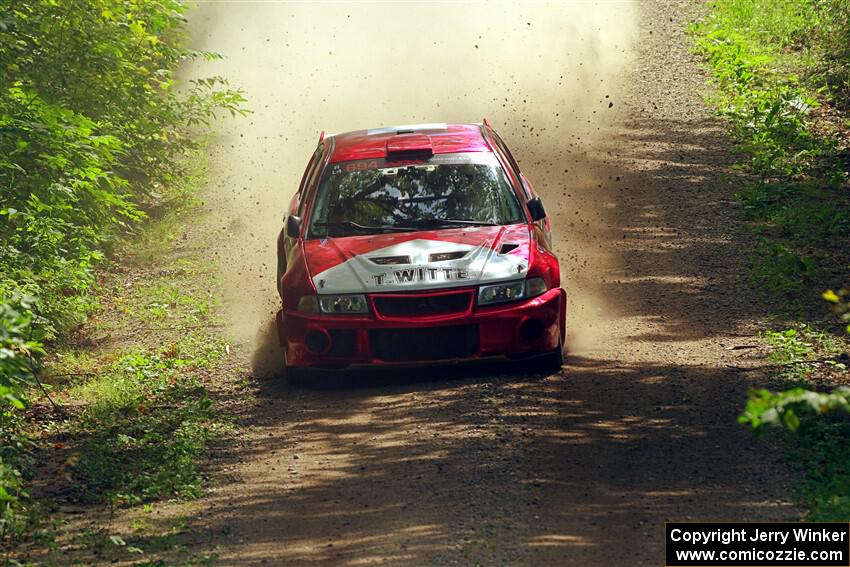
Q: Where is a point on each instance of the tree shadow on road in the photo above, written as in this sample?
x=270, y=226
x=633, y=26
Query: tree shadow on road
x=646, y=229
x=439, y=466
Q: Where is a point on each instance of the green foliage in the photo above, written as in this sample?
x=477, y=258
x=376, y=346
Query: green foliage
x=840, y=304
x=832, y=66
x=821, y=428
x=781, y=66
x=91, y=122
x=815, y=33
x=770, y=23
x=18, y=352
x=18, y=357
x=768, y=61
x=146, y=423
x=11, y=489
x=160, y=301
x=782, y=272
x=789, y=347
x=820, y=452
x=819, y=420
x=795, y=351
x=766, y=408
x=766, y=110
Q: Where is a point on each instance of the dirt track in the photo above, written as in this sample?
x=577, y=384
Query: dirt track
x=602, y=105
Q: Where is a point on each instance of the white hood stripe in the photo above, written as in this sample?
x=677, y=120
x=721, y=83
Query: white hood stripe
x=480, y=264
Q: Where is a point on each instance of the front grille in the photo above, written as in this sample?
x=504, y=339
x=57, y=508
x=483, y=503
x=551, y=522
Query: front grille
x=428, y=343
x=423, y=305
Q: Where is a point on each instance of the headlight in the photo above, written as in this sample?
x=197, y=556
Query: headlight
x=501, y=292
x=343, y=304
x=511, y=291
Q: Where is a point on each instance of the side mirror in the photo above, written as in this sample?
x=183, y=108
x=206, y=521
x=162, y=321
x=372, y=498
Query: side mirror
x=293, y=226
x=535, y=207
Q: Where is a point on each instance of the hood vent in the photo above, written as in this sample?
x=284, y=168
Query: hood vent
x=443, y=256
x=507, y=248
x=388, y=260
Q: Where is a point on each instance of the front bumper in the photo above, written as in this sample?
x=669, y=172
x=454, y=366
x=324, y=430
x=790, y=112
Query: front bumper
x=522, y=328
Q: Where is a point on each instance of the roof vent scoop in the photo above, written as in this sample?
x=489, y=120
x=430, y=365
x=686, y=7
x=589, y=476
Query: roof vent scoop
x=409, y=146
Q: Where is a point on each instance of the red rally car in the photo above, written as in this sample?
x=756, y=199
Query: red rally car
x=417, y=243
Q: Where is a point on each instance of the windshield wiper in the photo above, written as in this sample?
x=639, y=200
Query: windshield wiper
x=364, y=227
x=452, y=222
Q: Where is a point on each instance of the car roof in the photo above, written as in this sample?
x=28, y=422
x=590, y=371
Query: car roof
x=372, y=144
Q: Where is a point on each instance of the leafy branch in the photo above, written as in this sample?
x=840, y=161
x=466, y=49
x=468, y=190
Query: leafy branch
x=785, y=409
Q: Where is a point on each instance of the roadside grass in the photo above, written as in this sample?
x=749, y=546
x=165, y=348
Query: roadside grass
x=133, y=384
x=146, y=421
x=807, y=358
x=162, y=301
x=798, y=351
x=820, y=453
x=155, y=538
x=794, y=194
x=781, y=71
x=83, y=164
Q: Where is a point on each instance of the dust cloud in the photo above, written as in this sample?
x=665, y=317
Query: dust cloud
x=546, y=75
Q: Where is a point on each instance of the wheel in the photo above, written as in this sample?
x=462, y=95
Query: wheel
x=295, y=375
x=553, y=361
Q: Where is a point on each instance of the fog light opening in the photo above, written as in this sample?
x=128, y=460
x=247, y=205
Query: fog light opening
x=318, y=341
x=531, y=330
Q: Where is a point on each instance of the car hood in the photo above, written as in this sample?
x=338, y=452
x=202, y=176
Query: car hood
x=418, y=260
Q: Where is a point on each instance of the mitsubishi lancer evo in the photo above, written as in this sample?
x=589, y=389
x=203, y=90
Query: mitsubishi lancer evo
x=421, y=243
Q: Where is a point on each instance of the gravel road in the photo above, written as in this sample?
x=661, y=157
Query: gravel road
x=602, y=104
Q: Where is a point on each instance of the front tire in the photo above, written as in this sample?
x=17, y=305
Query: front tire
x=553, y=361
x=295, y=375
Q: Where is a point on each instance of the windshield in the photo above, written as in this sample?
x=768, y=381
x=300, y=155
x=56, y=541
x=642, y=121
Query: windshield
x=367, y=196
